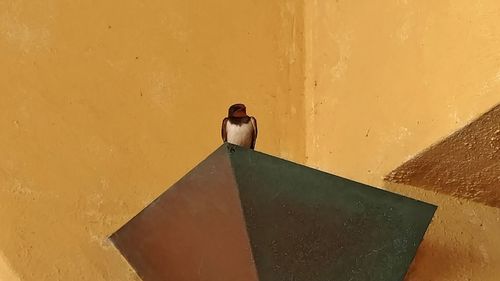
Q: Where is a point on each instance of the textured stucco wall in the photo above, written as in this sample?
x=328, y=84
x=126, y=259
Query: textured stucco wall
x=386, y=79
x=6, y=272
x=104, y=104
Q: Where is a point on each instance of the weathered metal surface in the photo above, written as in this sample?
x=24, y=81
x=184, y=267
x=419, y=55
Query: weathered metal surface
x=308, y=225
x=243, y=215
x=193, y=231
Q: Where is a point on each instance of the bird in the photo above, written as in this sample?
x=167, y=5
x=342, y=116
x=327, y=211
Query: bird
x=239, y=128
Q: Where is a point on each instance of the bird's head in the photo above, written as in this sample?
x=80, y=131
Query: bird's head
x=237, y=110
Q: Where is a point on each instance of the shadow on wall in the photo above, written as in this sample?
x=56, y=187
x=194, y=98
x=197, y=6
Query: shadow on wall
x=461, y=243
x=466, y=164
x=425, y=266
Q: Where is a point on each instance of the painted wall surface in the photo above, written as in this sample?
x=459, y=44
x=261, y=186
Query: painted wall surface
x=386, y=79
x=6, y=272
x=103, y=105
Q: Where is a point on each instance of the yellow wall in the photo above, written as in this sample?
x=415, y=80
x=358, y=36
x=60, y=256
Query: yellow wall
x=6, y=272
x=386, y=79
x=104, y=104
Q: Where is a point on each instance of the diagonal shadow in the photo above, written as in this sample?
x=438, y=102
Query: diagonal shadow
x=465, y=164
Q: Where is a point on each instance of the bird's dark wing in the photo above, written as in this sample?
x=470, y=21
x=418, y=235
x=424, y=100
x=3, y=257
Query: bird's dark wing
x=254, y=135
x=223, y=129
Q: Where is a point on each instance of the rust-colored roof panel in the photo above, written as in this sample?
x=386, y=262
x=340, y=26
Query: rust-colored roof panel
x=194, y=231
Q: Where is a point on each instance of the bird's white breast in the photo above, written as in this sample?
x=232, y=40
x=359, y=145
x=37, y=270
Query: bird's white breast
x=239, y=134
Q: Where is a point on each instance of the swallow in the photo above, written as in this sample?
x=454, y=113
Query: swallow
x=239, y=128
